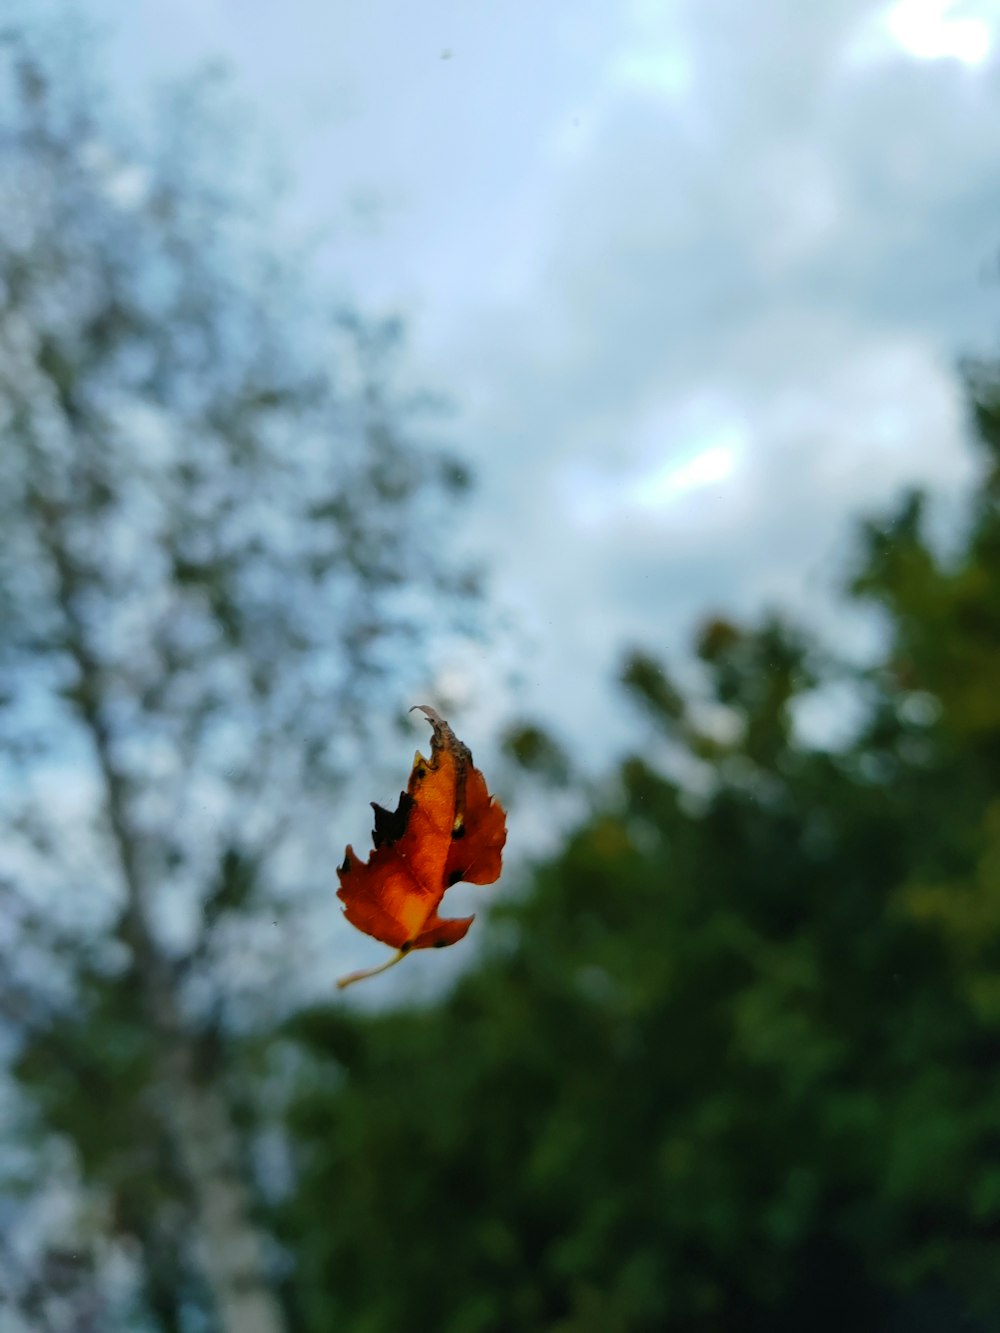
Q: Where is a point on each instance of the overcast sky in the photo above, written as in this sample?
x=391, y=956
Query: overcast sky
x=697, y=274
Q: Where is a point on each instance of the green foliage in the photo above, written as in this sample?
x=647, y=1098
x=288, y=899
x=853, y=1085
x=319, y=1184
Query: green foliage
x=729, y=1062
x=648, y=682
x=93, y=1080
x=535, y=751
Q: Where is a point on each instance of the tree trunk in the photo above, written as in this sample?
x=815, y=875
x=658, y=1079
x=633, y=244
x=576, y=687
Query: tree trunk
x=229, y=1247
x=196, y=1118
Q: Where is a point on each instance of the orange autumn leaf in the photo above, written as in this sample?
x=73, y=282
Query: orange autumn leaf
x=445, y=828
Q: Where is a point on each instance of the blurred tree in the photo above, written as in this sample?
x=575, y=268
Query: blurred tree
x=535, y=751
x=217, y=538
x=729, y=1063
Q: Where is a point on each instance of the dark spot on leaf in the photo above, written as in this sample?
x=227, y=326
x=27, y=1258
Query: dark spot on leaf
x=439, y=944
x=345, y=867
x=459, y=829
x=390, y=825
x=455, y=876
x=406, y=946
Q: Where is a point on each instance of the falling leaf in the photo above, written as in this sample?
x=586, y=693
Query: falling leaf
x=445, y=828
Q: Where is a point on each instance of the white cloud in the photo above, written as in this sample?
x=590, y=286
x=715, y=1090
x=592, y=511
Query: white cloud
x=667, y=454
x=932, y=30
x=927, y=30
x=711, y=465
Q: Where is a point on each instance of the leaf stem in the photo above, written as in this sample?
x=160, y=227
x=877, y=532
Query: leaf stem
x=371, y=971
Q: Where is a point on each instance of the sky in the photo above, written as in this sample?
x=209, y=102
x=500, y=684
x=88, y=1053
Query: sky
x=696, y=275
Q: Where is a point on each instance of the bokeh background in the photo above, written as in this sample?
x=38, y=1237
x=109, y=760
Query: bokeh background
x=622, y=381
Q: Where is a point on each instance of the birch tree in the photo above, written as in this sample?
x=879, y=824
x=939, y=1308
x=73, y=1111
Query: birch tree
x=220, y=533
